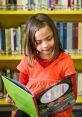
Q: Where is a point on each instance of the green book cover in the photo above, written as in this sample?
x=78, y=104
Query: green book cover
x=52, y=100
x=21, y=96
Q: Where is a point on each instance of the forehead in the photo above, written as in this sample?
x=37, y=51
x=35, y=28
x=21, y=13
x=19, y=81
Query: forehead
x=43, y=33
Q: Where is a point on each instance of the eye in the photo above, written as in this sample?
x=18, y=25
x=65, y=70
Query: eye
x=38, y=42
x=49, y=38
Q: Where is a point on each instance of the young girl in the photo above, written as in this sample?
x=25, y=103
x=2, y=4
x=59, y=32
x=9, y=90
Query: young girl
x=45, y=61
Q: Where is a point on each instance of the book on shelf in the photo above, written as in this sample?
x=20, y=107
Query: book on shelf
x=69, y=37
x=75, y=37
x=52, y=100
x=12, y=39
x=1, y=88
x=40, y=4
x=80, y=37
x=79, y=84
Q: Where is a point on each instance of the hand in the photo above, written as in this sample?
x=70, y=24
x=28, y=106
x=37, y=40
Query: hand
x=8, y=99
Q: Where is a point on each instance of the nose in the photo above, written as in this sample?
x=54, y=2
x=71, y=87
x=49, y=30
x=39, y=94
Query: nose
x=44, y=44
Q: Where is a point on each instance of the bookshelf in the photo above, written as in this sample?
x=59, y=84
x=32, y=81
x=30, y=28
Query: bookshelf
x=13, y=60
x=4, y=106
x=18, y=17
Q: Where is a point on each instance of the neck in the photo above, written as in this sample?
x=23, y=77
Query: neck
x=47, y=57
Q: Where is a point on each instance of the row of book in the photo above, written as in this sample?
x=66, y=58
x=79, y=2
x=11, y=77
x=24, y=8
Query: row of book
x=40, y=4
x=70, y=36
x=12, y=39
x=9, y=73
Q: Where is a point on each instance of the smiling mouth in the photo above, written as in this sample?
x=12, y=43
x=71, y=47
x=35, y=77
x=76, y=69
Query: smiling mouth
x=47, y=51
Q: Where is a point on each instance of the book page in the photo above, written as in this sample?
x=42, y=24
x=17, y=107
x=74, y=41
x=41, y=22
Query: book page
x=57, y=98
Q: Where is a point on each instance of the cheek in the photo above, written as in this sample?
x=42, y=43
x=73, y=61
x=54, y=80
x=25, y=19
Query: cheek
x=38, y=47
x=52, y=43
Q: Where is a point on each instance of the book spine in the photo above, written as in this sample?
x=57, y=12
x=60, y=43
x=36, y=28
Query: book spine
x=59, y=4
x=79, y=89
x=79, y=37
x=72, y=4
x=75, y=37
x=65, y=36
x=37, y=4
x=12, y=4
x=18, y=49
x=12, y=41
x=8, y=41
x=22, y=4
x=51, y=4
x=79, y=4
x=37, y=108
x=44, y=4
x=31, y=4
x=4, y=4
x=69, y=37
x=64, y=4
x=3, y=43
x=55, y=4
x=61, y=33
x=0, y=41
x=1, y=88
x=69, y=4
x=22, y=37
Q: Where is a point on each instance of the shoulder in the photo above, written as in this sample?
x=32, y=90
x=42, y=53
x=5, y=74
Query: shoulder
x=66, y=60
x=67, y=64
x=25, y=59
x=23, y=65
x=65, y=56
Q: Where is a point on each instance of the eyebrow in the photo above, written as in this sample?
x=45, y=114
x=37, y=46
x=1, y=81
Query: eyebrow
x=44, y=37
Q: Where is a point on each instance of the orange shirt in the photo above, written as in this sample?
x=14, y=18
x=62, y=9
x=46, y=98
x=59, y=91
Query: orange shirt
x=41, y=77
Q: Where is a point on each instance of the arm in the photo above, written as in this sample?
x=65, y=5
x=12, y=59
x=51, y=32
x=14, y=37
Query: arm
x=23, y=78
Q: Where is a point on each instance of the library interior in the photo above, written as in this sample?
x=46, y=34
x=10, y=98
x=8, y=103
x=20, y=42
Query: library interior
x=67, y=17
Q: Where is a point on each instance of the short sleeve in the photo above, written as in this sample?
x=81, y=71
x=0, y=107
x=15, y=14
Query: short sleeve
x=23, y=78
x=68, y=66
x=23, y=65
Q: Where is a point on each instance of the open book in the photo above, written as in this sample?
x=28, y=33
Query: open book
x=55, y=99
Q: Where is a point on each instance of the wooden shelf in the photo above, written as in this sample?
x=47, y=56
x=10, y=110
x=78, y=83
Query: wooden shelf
x=4, y=106
x=18, y=17
x=11, y=61
x=10, y=57
x=76, y=56
x=79, y=99
x=3, y=101
x=19, y=57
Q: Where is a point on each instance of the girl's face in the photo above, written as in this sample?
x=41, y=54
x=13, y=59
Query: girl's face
x=44, y=42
